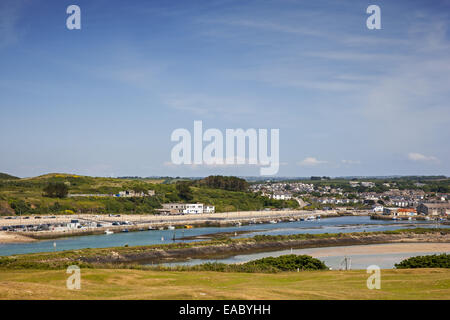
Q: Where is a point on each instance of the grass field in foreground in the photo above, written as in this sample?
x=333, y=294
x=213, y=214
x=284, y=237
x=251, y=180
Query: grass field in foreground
x=140, y=284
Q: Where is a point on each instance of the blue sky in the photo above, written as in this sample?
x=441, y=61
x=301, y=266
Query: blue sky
x=105, y=99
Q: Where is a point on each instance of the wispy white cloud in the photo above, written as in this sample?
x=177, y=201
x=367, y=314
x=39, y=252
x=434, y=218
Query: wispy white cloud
x=414, y=156
x=311, y=162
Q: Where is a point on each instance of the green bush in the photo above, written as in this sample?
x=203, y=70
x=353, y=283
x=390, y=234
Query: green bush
x=56, y=190
x=20, y=206
x=290, y=262
x=184, y=191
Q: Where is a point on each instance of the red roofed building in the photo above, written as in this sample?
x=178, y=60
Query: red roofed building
x=404, y=212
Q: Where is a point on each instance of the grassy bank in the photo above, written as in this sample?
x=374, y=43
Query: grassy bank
x=138, y=284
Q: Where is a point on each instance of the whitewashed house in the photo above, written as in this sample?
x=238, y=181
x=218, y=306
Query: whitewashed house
x=193, y=208
x=377, y=208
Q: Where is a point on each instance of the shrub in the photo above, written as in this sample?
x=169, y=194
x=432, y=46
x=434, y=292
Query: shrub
x=56, y=190
x=290, y=262
x=184, y=191
x=431, y=261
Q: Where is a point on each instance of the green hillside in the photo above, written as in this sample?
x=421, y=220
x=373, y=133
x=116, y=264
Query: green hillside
x=26, y=196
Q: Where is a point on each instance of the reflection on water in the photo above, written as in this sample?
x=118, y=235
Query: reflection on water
x=328, y=225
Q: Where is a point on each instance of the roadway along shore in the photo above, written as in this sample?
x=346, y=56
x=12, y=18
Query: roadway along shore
x=144, y=221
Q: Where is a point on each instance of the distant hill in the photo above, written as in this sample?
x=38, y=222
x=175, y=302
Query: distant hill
x=5, y=176
x=53, y=176
x=27, y=195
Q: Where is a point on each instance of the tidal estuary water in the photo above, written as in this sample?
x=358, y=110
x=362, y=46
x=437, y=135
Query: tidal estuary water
x=325, y=225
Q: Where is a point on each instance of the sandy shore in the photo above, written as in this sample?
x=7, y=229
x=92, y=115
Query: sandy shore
x=8, y=237
x=379, y=249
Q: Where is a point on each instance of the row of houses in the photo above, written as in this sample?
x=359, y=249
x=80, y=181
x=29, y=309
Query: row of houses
x=282, y=188
x=133, y=194
x=335, y=201
x=186, y=208
x=278, y=195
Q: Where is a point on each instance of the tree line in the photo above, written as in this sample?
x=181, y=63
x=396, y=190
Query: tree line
x=223, y=182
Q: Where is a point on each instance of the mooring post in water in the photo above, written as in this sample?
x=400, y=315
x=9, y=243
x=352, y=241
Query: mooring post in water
x=346, y=263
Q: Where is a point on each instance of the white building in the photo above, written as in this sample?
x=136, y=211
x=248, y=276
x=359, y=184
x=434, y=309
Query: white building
x=400, y=203
x=73, y=225
x=193, y=208
x=281, y=196
x=173, y=208
x=132, y=193
x=186, y=208
x=368, y=184
x=353, y=184
x=378, y=209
